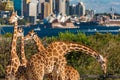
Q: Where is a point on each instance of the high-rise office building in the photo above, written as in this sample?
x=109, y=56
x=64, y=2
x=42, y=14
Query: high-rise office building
x=72, y=10
x=21, y=7
x=32, y=11
x=80, y=9
x=25, y=8
x=56, y=6
x=50, y=5
x=18, y=6
x=67, y=3
x=62, y=6
x=27, y=1
x=59, y=6
x=39, y=6
x=45, y=9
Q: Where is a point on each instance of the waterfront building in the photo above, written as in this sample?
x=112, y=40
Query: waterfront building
x=80, y=9
x=39, y=6
x=90, y=13
x=45, y=9
x=72, y=10
x=32, y=11
x=77, y=10
x=21, y=7
x=59, y=6
x=6, y=5
x=67, y=3
x=18, y=6
x=50, y=5
x=27, y=1
x=62, y=7
x=4, y=14
x=56, y=6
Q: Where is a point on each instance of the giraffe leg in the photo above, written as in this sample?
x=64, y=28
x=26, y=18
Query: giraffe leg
x=62, y=73
x=55, y=76
x=61, y=68
x=38, y=73
x=59, y=73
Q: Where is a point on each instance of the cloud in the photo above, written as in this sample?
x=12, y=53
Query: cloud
x=100, y=5
x=115, y=3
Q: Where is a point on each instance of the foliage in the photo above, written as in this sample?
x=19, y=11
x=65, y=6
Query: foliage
x=22, y=22
x=7, y=35
x=106, y=44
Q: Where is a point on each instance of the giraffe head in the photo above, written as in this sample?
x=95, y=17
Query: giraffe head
x=105, y=65
x=30, y=35
x=13, y=18
x=103, y=62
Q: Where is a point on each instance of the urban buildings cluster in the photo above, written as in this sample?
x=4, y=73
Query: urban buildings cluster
x=35, y=10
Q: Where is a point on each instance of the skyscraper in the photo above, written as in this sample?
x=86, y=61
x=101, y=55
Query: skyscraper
x=50, y=5
x=25, y=11
x=62, y=6
x=39, y=6
x=46, y=9
x=80, y=9
x=72, y=9
x=56, y=6
x=27, y=1
x=18, y=6
x=32, y=11
x=59, y=6
x=67, y=3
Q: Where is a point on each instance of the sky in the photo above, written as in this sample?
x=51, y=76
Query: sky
x=100, y=6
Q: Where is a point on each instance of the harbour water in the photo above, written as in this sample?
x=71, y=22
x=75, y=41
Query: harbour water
x=42, y=32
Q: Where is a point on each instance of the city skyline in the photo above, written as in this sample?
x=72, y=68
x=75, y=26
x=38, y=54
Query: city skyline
x=100, y=6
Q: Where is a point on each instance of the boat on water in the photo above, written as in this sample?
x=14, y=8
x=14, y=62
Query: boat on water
x=37, y=29
x=90, y=23
x=112, y=22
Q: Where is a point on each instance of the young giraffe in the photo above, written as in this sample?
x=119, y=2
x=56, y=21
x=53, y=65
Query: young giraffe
x=71, y=73
x=14, y=62
x=52, y=59
x=23, y=57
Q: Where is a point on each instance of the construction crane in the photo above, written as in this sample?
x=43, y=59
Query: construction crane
x=6, y=5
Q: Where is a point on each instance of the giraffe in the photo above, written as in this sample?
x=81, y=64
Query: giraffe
x=71, y=73
x=14, y=59
x=52, y=59
x=23, y=57
x=41, y=48
x=33, y=35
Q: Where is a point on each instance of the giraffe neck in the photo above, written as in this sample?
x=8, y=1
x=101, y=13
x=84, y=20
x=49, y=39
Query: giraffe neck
x=38, y=43
x=64, y=48
x=23, y=57
x=89, y=51
x=15, y=62
x=14, y=40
